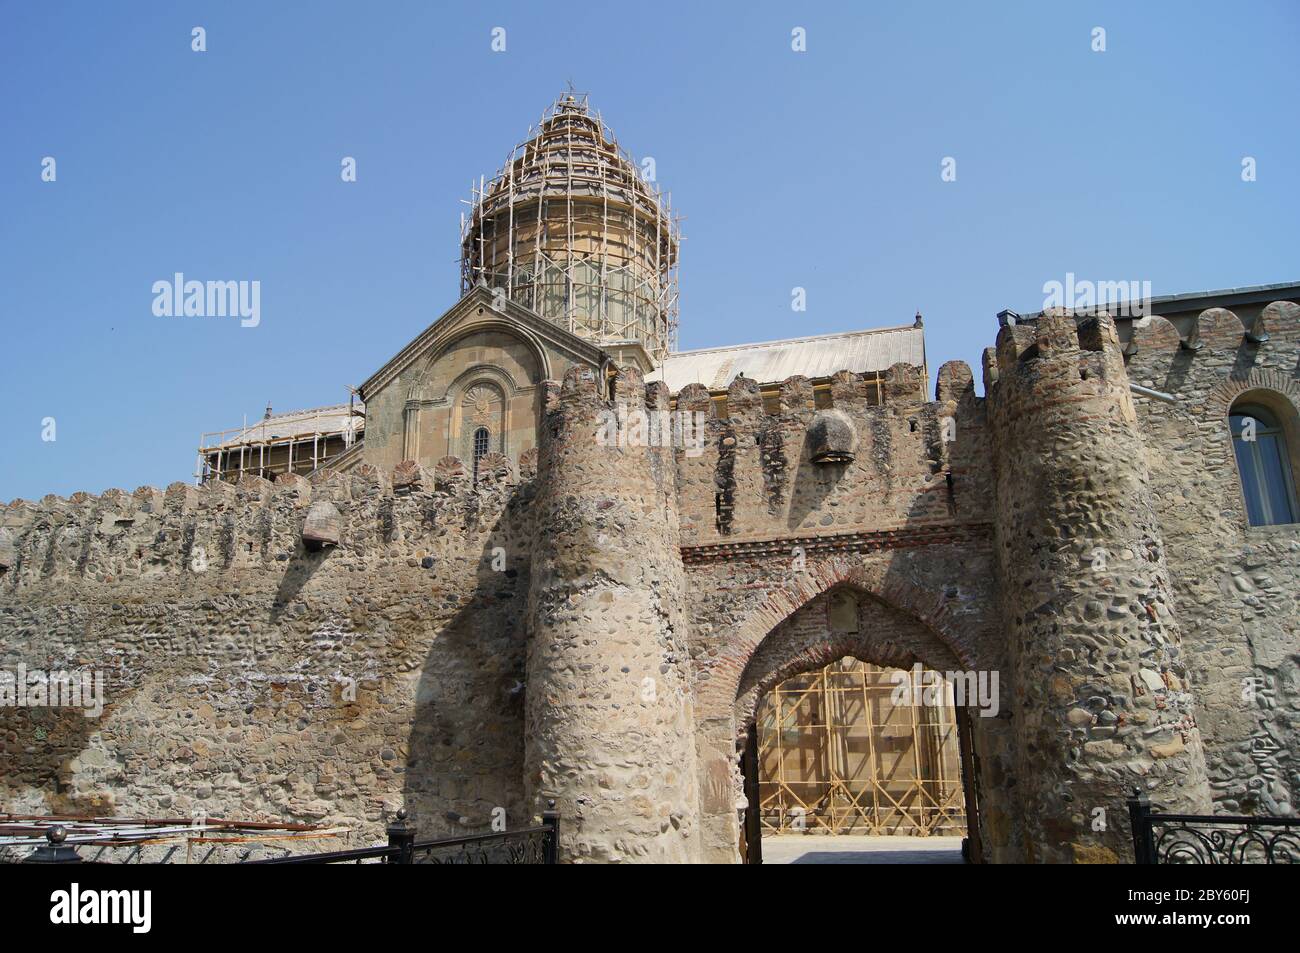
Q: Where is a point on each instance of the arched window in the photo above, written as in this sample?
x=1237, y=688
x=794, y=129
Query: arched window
x=481, y=440
x=1263, y=460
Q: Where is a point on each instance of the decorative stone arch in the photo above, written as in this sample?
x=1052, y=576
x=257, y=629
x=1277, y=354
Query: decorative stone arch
x=492, y=324
x=1268, y=388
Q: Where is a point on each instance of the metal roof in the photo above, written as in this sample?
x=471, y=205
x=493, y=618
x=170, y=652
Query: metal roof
x=770, y=362
x=295, y=424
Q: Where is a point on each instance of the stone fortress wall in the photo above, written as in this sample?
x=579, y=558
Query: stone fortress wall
x=469, y=647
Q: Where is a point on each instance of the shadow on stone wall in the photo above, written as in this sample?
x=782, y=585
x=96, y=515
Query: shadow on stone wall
x=466, y=745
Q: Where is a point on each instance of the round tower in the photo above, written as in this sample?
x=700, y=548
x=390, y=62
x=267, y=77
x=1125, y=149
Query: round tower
x=571, y=229
x=1101, y=701
x=610, y=731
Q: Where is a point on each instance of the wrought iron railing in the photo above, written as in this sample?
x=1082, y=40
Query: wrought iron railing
x=527, y=845
x=1210, y=838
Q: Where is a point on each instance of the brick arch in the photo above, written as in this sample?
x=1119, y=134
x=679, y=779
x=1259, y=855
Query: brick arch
x=794, y=656
x=1271, y=388
x=718, y=695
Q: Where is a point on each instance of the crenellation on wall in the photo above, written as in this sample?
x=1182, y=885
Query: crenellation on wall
x=304, y=685
x=756, y=474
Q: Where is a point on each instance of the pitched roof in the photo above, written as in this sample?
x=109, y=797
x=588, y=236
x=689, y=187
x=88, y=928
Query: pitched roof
x=770, y=362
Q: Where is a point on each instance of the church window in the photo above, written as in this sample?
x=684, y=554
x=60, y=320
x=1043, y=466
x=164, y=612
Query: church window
x=1263, y=462
x=481, y=441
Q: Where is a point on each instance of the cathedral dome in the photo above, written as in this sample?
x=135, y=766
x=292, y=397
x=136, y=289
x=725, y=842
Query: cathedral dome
x=571, y=229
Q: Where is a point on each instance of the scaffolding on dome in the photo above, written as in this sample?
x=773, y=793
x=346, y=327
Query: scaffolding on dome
x=572, y=230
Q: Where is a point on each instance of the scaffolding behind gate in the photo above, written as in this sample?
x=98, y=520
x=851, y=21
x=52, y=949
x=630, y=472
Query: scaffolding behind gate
x=837, y=756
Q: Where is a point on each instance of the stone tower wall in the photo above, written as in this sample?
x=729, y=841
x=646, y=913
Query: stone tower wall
x=610, y=728
x=1101, y=695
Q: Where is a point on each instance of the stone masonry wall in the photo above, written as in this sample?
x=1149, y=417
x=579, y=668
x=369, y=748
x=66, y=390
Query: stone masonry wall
x=905, y=523
x=249, y=677
x=1237, y=587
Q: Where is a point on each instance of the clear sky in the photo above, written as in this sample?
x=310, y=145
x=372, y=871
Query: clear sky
x=817, y=169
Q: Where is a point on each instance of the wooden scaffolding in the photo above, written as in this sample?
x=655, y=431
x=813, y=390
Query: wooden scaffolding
x=837, y=756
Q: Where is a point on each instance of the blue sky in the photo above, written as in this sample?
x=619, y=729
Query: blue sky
x=818, y=169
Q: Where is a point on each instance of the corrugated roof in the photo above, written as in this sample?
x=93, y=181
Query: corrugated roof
x=771, y=362
x=291, y=424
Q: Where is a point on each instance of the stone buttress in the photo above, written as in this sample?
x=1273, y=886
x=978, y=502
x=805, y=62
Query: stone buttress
x=1100, y=683
x=610, y=727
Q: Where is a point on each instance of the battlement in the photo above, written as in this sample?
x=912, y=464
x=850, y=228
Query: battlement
x=879, y=455
x=254, y=523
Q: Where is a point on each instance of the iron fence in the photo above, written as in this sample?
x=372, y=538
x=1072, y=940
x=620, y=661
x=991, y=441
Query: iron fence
x=1210, y=838
x=527, y=845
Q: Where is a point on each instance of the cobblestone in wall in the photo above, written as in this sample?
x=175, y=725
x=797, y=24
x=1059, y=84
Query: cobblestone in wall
x=1100, y=694
x=1236, y=585
x=249, y=677
x=611, y=733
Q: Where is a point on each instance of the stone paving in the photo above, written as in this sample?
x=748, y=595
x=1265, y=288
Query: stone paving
x=853, y=849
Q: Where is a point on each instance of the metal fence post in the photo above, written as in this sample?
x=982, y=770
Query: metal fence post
x=551, y=819
x=55, y=850
x=1139, y=816
x=403, y=838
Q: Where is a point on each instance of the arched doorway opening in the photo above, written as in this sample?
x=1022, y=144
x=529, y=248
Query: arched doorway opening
x=848, y=726
x=859, y=749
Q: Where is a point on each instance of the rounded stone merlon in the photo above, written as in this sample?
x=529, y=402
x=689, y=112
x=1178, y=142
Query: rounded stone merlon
x=1216, y=327
x=8, y=551
x=149, y=499
x=496, y=468
x=1012, y=342
x=217, y=492
x=293, y=483
x=955, y=381
x=448, y=472
x=80, y=497
x=368, y=481
x=323, y=525
x=989, y=365
x=796, y=394
x=657, y=396
x=628, y=384
x=53, y=503
x=249, y=485
x=331, y=485
x=185, y=497
x=1154, y=333
x=527, y=463
x=1057, y=333
x=696, y=397
x=1278, y=317
x=744, y=399
x=832, y=438
x=901, y=384
x=579, y=382
x=409, y=476
x=114, y=497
